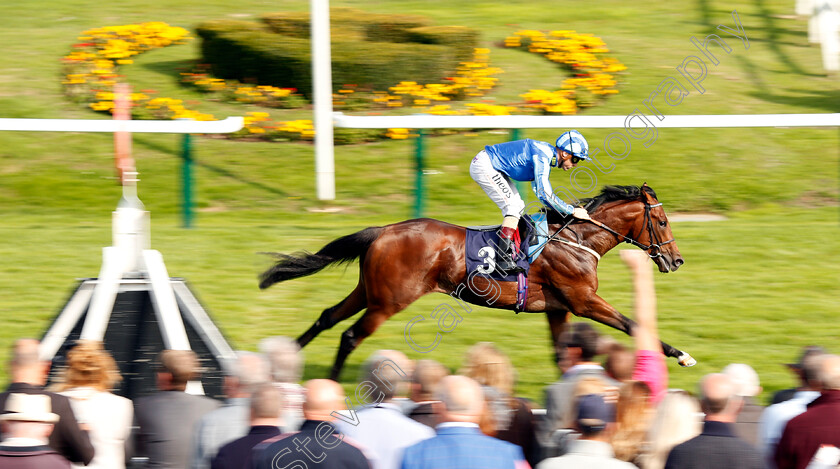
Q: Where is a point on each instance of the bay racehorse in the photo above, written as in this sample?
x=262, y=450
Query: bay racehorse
x=399, y=263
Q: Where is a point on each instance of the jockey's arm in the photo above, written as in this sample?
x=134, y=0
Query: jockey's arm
x=542, y=187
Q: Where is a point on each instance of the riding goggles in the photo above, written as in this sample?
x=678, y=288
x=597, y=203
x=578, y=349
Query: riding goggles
x=575, y=159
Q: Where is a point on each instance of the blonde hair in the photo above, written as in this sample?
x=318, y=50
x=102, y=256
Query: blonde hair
x=492, y=369
x=632, y=417
x=677, y=419
x=489, y=366
x=89, y=364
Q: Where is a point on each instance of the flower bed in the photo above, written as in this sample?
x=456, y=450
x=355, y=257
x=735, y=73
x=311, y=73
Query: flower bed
x=584, y=55
x=91, y=72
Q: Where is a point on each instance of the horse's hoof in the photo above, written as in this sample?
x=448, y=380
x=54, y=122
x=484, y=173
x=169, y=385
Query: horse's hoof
x=685, y=360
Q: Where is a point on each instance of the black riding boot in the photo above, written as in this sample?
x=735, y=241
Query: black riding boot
x=504, y=257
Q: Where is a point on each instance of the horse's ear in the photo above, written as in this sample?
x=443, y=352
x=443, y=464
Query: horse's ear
x=647, y=192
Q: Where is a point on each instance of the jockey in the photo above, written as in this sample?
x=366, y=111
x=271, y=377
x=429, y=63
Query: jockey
x=525, y=160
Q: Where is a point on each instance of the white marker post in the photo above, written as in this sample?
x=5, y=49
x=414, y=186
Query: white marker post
x=322, y=99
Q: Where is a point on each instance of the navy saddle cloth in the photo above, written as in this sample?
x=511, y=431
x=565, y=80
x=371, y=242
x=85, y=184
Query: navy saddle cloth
x=481, y=250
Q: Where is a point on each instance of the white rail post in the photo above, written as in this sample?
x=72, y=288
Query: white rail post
x=322, y=97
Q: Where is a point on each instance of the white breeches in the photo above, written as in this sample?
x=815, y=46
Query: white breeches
x=497, y=186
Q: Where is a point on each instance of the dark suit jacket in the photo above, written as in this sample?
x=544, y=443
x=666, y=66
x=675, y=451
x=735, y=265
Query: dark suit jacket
x=716, y=448
x=166, y=422
x=309, y=447
x=425, y=414
x=522, y=432
x=67, y=438
x=237, y=453
x=31, y=457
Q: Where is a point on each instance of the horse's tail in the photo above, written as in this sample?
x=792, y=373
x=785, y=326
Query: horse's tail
x=301, y=264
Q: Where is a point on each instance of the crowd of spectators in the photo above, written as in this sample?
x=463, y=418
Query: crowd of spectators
x=611, y=408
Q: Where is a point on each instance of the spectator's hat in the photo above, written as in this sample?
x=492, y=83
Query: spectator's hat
x=28, y=408
x=806, y=352
x=593, y=413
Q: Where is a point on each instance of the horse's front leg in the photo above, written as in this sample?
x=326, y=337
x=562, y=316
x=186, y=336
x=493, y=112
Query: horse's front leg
x=596, y=308
x=558, y=321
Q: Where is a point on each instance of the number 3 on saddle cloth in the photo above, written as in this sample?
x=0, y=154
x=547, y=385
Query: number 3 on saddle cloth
x=481, y=252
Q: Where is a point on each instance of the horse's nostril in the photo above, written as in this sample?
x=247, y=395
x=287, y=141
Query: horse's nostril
x=679, y=262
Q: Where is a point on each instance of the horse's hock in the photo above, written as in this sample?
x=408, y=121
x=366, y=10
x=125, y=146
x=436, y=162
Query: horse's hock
x=369, y=50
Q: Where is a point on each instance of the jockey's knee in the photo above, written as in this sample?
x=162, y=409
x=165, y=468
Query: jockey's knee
x=515, y=208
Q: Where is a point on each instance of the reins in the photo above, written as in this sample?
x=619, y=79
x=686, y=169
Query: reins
x=648, y=223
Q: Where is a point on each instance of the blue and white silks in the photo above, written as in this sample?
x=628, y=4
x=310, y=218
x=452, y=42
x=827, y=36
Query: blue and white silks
x=528, y=160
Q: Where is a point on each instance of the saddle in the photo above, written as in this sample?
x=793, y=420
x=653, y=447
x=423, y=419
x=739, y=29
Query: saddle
x=480, y=251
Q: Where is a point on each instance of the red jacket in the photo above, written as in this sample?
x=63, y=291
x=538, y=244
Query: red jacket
x=804, y=434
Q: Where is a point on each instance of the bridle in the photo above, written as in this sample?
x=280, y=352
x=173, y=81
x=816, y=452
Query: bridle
x=654, y=249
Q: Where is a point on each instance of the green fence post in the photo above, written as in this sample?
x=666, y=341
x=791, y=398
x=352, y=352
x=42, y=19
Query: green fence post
x=186, y=180
x=418, y=178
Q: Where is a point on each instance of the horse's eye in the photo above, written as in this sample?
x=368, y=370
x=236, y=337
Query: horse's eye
x=663, y=223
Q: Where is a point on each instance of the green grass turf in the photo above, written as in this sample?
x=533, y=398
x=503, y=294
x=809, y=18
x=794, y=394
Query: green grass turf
x=755, y=288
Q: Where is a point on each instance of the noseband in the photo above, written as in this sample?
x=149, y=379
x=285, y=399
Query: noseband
x=654, y=249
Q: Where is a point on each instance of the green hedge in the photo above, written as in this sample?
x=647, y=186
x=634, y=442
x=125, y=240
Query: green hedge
x=284, y=61
x=463, y=39
x=376, y=51
x=348, y=23
x=211, y=29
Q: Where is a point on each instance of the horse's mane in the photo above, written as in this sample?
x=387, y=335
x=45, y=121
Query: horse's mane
x=608, y=194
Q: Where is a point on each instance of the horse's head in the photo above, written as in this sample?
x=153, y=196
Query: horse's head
x=654, y=231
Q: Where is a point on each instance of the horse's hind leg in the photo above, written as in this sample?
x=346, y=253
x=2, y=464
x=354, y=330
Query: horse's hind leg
x=352, y=304
x=352, y=337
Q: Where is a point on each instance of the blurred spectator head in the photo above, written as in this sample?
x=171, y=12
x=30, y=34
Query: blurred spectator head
x=807, y=367
x=176, y=368
x=745, y=379
x=677, y=419
x=323, y=397
x=28, y=416
x=25, y=365
x=489, y=366
x=590, y=385
x=719, y=397
x=462, y=399
x=266, y=404
x=89, y=364
x=383, y=376
x=633, y=401
x=829, y=375
x=248, y=370
x=606, y=343
x=594, y=414
x=402, y=361
x=620, y=362
x=284, y=357
x=578, y=343
x=424, y=382
x=583, y=387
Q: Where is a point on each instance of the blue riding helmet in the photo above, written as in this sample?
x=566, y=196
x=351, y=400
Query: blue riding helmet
x=572, y=142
